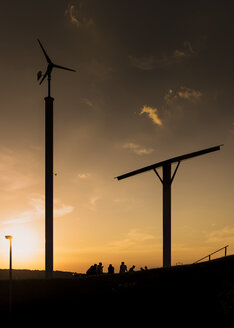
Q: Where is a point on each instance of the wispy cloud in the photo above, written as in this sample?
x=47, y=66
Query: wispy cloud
x=185, y=51
x=224, y=235
x=83, y=176
x=15, y=170
x=152, y=113
x=179, y=53
x=88, y=102
x=61, y=209
x=131, y=238
x=182, y=94
x=146, y=63
x=72, y=13
x=151, y=62
x=137, y=149
x=37, y=211
x=93, y=200
x=76, y=16
x=177, y=98
x=99, y=68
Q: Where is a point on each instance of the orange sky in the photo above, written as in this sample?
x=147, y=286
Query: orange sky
x=153, y=81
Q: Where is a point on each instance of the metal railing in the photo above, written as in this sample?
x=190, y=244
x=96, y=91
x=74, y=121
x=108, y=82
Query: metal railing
x=225, y=254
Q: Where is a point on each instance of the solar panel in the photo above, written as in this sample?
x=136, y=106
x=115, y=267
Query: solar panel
x=169, y=161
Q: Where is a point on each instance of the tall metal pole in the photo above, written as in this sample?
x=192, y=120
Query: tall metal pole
x=49, y=163
x=167, y=215
x=10, y=263
x=10, y=273
x=49, y=185
x=10, y=278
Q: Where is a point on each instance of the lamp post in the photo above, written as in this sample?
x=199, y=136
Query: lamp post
x=10, y=273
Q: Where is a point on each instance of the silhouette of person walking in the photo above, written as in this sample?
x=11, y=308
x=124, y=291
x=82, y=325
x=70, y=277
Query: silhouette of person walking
x=111, y=269
x=123, y=268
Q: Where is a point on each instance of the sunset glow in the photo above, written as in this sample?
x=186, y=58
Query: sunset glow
x=25, y=245
x=153, y=80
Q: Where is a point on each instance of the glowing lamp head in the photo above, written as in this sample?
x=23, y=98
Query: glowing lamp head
x=9, y=237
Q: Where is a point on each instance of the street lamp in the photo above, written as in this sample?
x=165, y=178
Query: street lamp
x=10, y=273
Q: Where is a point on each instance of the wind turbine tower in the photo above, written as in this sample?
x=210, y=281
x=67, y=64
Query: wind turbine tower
x=49, y=151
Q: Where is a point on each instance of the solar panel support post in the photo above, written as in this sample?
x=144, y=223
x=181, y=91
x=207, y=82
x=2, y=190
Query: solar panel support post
x=166, y=215
x=167, y=180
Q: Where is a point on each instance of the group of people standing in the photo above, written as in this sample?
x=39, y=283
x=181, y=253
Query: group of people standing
x=97, y=269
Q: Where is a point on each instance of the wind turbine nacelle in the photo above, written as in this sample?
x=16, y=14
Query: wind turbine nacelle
x=39, y=75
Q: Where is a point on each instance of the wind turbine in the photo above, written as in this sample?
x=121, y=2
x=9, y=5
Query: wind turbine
x=49, y=149
x=50, y=67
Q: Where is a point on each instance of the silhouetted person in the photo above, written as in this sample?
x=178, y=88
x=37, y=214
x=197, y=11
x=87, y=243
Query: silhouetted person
x=146, y=268
x=111, y=269
x=89, y=271
x=100, y=268
x=92, y=270
x=95, y=268
x=132, y=268
x=123, y=268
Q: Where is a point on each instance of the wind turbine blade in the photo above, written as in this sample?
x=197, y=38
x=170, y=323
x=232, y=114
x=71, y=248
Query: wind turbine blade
x=62, y=67
x=46, y=56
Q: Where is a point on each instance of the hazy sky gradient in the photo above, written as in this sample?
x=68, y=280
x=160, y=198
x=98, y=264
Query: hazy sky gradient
x=154, y=80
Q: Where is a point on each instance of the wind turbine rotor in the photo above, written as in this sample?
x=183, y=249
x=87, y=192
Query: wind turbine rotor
x=50, y=67
x=46, y=56
x=62, y=67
